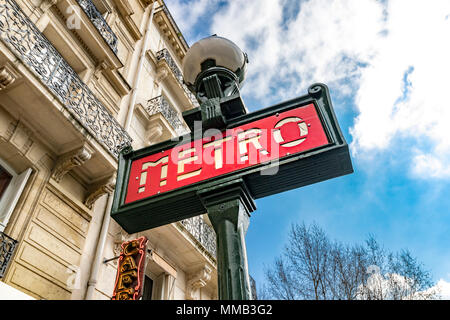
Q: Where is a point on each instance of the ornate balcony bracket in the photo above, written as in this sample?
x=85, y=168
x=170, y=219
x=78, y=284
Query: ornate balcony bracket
x=155, y=133
x=197, y=281
x=7, y=248
x=70, y=160
x=8, y=75
x=47, y=4
x=39, y=55
x=97, y=190
x=162, y=73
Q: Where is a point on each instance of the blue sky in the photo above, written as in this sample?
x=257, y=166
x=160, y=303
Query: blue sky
x=386, y=64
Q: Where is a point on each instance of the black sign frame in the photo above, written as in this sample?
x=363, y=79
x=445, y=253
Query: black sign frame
x=295, y=171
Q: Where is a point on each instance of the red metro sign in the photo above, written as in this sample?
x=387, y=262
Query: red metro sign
x=262, y=141
x=286, y=146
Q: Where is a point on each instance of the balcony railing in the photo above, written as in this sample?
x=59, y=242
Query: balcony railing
x=164, y=55
x=202, y=232
x=7, y=248
x=160, y=104
x=99, y=22
x=39, y=55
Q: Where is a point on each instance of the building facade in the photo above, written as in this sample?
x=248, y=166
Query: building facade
x=79, y=79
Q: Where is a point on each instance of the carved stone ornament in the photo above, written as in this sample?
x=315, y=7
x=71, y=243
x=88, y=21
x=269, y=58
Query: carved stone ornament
x=147, y=2
x=7, y=76
x=70, y=160
x=198, y=280
x=47, y=4
x=102, y=66
x=155, y=132
x=162, y=73
x=99, y=189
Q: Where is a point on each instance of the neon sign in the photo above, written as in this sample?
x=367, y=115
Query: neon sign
x=130, y=270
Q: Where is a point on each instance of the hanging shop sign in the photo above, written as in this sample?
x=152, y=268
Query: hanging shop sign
x=279, y=148
x=130, y=270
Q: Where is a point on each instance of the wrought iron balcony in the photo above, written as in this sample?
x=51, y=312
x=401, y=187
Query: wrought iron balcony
x=202, y=232
x=39, y=55
x=164, y=55
x=7, y=248
x=159, y=104
x=99, y=22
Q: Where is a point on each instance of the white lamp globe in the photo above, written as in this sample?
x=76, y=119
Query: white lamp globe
x=224, y=52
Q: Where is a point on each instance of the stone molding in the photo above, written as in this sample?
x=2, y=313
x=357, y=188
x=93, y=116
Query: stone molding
x=197, y=281
x=8, y=75
x=47, y=4
x=71, y=160
x=161, y=74
x=105, y=186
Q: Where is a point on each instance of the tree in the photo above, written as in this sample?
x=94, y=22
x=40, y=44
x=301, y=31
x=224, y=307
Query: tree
x=314, y=267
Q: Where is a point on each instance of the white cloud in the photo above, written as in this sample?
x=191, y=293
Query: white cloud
x=434, y=165
x=390, y=56
x=325, y=42
x=402, y=92
x=442, y=288
x=394, y=286
x=188, y=13
x=255, y=28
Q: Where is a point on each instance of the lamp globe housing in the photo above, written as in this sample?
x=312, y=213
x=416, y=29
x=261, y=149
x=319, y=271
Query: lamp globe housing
x=214, y=55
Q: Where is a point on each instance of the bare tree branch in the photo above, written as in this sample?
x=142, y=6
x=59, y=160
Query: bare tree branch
x=314, y=267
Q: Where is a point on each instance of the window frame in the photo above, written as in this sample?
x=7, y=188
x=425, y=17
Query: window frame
x=12, y=193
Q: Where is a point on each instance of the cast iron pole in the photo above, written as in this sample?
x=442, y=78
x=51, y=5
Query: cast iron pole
x=229, y=207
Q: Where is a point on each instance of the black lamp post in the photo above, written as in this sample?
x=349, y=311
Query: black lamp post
x=154, y=187
x=214, y=69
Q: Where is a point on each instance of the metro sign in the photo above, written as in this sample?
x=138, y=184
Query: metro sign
x=257, y=142
x=286, y=146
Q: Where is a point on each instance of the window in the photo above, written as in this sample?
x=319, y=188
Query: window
x=148, y=288
x=11, y=187
x=5, y=179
